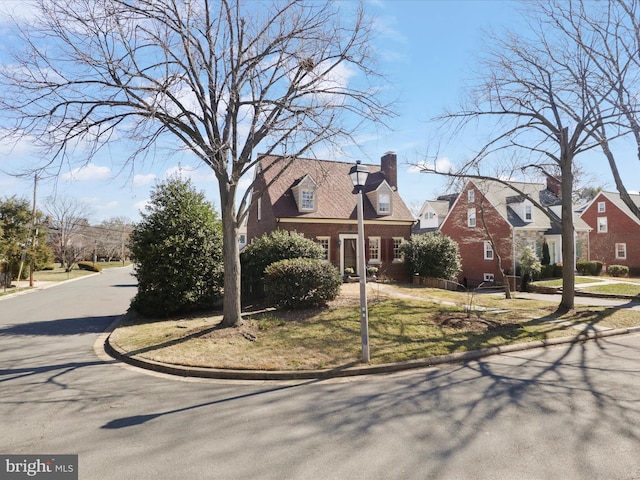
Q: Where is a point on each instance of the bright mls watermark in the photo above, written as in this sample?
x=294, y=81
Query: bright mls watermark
x=50, y=467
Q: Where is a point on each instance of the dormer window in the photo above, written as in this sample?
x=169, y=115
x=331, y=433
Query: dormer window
x=308, y=202
x=528, y=213
x=384, y=203
x=304, y=193
x=382, y=199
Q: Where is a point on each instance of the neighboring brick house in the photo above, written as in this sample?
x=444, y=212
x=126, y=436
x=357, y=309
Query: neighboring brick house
x=316, y=198
x=487, y=207
x=615, y=231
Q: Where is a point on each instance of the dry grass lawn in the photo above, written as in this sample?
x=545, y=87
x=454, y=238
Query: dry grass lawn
x=405, y=323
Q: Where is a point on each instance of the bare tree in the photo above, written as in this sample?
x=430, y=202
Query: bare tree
x=607, y=35
x=496, y=244
x=220, y=78
x=68, y=224
x=113, y=237
x=533, y=96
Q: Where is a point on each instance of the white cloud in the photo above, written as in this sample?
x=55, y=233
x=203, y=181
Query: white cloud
x=18, y=146
x=22, y=10
x=195, y=174
x=142, y=204
x=441, y=165
x=141, y=180
x=90, y=171
x=99, y=203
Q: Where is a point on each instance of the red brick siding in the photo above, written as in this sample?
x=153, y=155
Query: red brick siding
x=256, y=228
x=332, y=229
x=621, y=229
x=387, y=268
x=471, y=239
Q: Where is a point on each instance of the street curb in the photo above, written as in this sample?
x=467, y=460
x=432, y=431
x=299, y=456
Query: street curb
x=348, y=371
x=37, y=288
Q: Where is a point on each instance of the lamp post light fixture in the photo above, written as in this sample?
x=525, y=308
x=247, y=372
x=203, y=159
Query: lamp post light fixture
x=359, y=174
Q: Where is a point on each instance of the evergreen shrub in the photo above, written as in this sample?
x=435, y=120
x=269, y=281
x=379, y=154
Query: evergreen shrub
x=270, y=248
x=589, y=268
x=177, y=252
x=89, y=266
x=432, y=255
x=618, y=270
x=301, y=282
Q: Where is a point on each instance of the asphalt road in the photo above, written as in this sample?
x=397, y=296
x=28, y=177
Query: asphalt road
x=569, y=412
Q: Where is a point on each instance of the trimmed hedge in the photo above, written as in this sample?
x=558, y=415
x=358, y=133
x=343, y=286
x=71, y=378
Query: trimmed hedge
x=301, y=282
x=589, y=268
x=270, y=248
x=547, y=271
x=432, y=255
x=89, y=267
x=618, y=270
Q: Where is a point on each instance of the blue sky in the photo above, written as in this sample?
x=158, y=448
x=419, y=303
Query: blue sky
x=426, y=47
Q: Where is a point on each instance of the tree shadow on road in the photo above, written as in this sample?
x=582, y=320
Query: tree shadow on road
x=60, y=327
x=445, y=417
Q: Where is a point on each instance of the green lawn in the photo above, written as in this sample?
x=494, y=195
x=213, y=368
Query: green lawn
x=632, y=289
x=557, y=282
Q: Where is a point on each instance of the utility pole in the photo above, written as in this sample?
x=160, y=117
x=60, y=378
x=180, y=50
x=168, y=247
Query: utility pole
x=34, y=231
x=32, y=235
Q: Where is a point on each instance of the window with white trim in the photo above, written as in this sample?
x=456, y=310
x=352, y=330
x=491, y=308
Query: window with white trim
x=397, y=254
x=374, y=249
x=603, y=226
x=602, y=207
x=488, y=251
x=260, y=209
x=528, y=213
x=471, y=217
x=324, y=242
x=621, y=251
x=471, y=195
x=308, y=200
x=489, y=277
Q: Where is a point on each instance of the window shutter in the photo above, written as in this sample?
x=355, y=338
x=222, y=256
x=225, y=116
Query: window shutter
x=388, y=250
x=366, y=250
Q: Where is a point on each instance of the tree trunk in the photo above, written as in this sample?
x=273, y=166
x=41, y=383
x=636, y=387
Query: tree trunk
x=568, y=240
x=231, y=306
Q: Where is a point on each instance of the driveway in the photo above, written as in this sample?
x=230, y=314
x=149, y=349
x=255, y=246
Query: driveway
x=569, y=412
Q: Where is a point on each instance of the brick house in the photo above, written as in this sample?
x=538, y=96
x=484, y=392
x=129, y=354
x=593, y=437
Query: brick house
x=615, y=231
x=487, y=210
x=316, y=198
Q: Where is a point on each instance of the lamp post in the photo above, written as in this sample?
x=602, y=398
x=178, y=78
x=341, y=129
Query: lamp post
x=359, y=174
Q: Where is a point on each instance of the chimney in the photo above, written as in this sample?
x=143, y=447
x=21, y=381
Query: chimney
x=389, y=166
x=554, y=185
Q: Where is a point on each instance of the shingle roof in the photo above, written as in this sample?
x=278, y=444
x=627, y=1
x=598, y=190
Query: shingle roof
x=335, y=193
x=504, y=198
x=615, y=198
x=441, y=208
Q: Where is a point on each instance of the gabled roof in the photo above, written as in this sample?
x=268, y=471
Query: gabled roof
x=614, y=197
x=335, y=193
x=505, y=199
x=440, y=207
